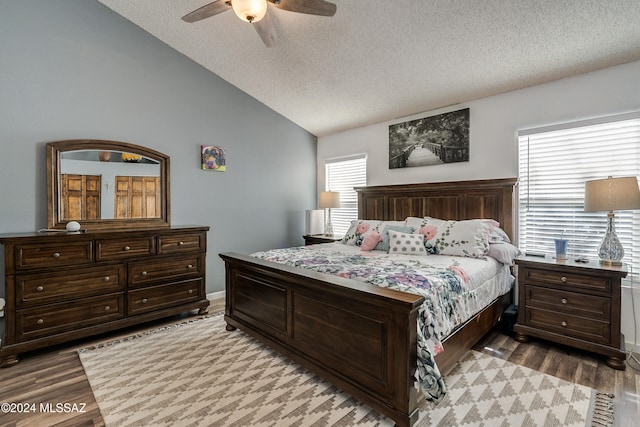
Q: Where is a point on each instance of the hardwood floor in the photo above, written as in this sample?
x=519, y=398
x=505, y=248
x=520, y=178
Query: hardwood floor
x=56, y=376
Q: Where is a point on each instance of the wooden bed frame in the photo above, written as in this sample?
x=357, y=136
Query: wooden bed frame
x=360, y=337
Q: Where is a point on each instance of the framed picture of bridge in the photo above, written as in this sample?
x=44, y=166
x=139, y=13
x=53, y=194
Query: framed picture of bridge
x=430, y=141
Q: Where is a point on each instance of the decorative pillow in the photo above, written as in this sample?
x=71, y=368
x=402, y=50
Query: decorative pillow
x=504, y=252
x=496, y=234
x=469, y=238
x=384, y=244
x=359, y=229
x=416, y=223
x=406, y=244
x=370, y=241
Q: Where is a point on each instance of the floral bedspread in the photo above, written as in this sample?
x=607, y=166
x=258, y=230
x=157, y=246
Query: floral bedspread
x=455, y=288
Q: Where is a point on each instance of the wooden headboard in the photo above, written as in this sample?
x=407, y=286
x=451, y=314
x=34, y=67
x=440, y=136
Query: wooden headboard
x=456, y=200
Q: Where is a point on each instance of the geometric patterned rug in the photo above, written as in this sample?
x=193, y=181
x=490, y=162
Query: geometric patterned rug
x=198, y=374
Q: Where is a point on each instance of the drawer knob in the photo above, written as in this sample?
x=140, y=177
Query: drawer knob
x=107, y=308
x=40, y=321
x=180, y=243
x=563, y=323
x=564, y=300
x=144, y=300
x=56, y=255
x=190, y=266
x=107, y=278
x=127, y=248
x=144, y=273
x=39, y=289
x=190, y=291
x=563, y=279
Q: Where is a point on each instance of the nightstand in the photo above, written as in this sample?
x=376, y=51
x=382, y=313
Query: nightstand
x=575, y=304
x=312, y=239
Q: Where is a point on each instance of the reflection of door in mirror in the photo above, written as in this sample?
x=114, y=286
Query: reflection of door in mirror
x=81, y=197
x=137, y=197
x=142, y=202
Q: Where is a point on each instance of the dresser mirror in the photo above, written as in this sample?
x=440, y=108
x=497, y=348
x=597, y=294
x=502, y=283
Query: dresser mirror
x=106, y=185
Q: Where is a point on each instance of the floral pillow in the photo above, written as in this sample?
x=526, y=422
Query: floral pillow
x=469, y=238
x=360, y=229
x=406, y=243
x=496, y=234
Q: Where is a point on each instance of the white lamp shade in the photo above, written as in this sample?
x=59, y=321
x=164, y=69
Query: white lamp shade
x=250, y=10
x=611, y=194
x=329, y=200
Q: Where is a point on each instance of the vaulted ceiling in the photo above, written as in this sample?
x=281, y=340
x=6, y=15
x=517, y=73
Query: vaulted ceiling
x=377, y=60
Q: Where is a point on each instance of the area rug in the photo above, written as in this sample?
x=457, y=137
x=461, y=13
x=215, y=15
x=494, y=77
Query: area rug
x=198, y=374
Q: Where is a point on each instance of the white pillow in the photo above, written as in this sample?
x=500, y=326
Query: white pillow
x=504, y=252
x=406, y=244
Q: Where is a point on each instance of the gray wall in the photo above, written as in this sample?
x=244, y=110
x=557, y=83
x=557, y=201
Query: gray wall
x=72, y=69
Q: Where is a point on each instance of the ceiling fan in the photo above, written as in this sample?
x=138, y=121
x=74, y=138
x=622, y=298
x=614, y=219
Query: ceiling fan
x=255, y=12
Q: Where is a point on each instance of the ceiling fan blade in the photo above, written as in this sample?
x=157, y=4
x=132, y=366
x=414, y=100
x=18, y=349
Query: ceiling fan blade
x=266, y=30
x=311, y=7
x=207, y=10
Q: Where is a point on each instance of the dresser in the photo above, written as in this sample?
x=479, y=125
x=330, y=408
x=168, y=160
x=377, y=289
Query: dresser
x=64, y=286
x=574, y=304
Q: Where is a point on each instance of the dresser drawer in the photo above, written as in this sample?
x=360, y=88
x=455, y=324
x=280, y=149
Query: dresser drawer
x=170, y=244
x=125, y=248
x=590, y=306
x=158, y=297
x=57, y=318
x=569, y=325
x=53, y=255
x=33, y=289
x=172, y=269
x=568, y=281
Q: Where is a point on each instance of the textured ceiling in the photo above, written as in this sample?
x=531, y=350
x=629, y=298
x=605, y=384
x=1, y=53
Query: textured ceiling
x=377, y=60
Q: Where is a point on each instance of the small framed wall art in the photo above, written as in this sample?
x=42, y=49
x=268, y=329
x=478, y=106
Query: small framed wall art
x=213, y=158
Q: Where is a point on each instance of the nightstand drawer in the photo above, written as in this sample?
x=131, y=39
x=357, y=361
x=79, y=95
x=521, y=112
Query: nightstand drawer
x=568, y=281
x=315, y=239
x=589, y=306
x=568, y=325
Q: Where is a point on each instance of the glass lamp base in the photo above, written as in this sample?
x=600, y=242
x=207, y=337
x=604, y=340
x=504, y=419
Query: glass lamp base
x=611, y=251
x=328, y=227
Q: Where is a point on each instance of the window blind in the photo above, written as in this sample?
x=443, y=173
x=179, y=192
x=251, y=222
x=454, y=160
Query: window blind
x=342, y=175
x=554, y=164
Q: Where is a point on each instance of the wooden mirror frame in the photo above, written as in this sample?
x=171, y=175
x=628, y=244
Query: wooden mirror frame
x=54, y=151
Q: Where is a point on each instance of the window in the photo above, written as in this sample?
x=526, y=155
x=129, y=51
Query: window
x=555, y=162
x=342, y=175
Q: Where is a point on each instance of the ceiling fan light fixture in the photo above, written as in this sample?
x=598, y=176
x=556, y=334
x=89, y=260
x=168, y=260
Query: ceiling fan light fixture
x=250, y=10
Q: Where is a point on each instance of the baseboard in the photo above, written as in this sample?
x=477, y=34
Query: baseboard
x=629, y=346
x=216, y=296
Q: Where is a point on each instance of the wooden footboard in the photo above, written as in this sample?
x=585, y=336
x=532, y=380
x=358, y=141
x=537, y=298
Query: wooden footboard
x=359, y=337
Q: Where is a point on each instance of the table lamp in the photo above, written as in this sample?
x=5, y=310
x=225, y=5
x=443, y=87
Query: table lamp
x=329, y=200
x=611, y=194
